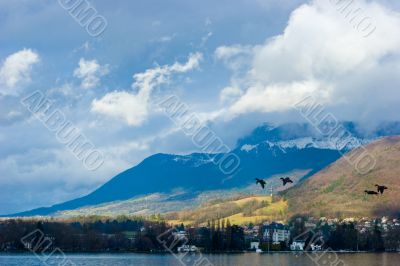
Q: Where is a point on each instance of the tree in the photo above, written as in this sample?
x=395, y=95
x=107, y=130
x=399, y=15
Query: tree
x=377, y=240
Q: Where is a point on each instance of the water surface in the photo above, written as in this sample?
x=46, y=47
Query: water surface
x=248, y=259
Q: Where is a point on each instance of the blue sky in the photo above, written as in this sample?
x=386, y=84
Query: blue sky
x=235, y=63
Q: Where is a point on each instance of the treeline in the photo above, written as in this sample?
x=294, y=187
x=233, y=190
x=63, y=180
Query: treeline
x=19, y=235
x=115, y=236
x=218, y=236
x=130, y=235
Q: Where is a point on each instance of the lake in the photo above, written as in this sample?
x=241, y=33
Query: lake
x=277, y=259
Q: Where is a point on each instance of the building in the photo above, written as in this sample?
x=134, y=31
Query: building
x=252, y=233
x=187, y=248
x=297, y=245
x=315, y=247
x=254, y=245
x=276, y=233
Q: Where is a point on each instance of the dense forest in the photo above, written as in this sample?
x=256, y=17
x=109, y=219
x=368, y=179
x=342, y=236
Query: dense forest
x=115, y=236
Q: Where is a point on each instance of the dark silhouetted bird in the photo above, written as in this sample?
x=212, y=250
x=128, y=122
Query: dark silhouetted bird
x=370, y=192
x=381, y=189
x=261, y=182
x=286, y=180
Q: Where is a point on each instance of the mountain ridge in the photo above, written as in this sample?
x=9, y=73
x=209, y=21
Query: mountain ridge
x=196, y=172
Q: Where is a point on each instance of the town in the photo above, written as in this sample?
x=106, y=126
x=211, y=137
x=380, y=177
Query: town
x=125, y=234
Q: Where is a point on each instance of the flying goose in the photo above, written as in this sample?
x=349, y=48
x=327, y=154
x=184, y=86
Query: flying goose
x=370, y=192
x=261, y=182
x=381, y=189
x=286, y=180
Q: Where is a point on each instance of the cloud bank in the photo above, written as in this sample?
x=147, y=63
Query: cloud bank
x=323, y=53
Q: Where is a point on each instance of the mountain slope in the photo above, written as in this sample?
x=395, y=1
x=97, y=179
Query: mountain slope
x=239, y=210
x=162, y=173
x=338, y=190
x=267, y=151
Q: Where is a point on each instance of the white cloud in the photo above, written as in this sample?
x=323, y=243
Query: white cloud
x=227, y=52
x=322, y=52
x=16, y=70
x=228, y=94
x=275, y=98
x=132, y=108
x=236, y=57
x=90, y=71
x=122, y=105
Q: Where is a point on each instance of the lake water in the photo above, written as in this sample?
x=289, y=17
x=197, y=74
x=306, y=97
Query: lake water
x=248, y=259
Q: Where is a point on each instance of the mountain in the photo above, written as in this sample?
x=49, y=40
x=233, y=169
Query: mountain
x=163, y=173
x=306, y=135
x=267, y=151
x=338, y=190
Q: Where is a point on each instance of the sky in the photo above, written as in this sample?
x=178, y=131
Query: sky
x=235, y=64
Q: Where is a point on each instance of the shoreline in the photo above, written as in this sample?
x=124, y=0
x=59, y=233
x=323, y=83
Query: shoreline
x=206, y=253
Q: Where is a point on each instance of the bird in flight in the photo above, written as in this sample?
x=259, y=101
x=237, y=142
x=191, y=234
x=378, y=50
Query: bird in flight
x=381, y=189
x=370, y=192
x=261, y=182
x=286, y=180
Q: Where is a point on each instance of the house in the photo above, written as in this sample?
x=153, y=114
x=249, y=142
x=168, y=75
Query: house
x=298, y=245
x=187, y=248
x=251, y=232
x=315, y=247
x=254, y=245
x=276, y=233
